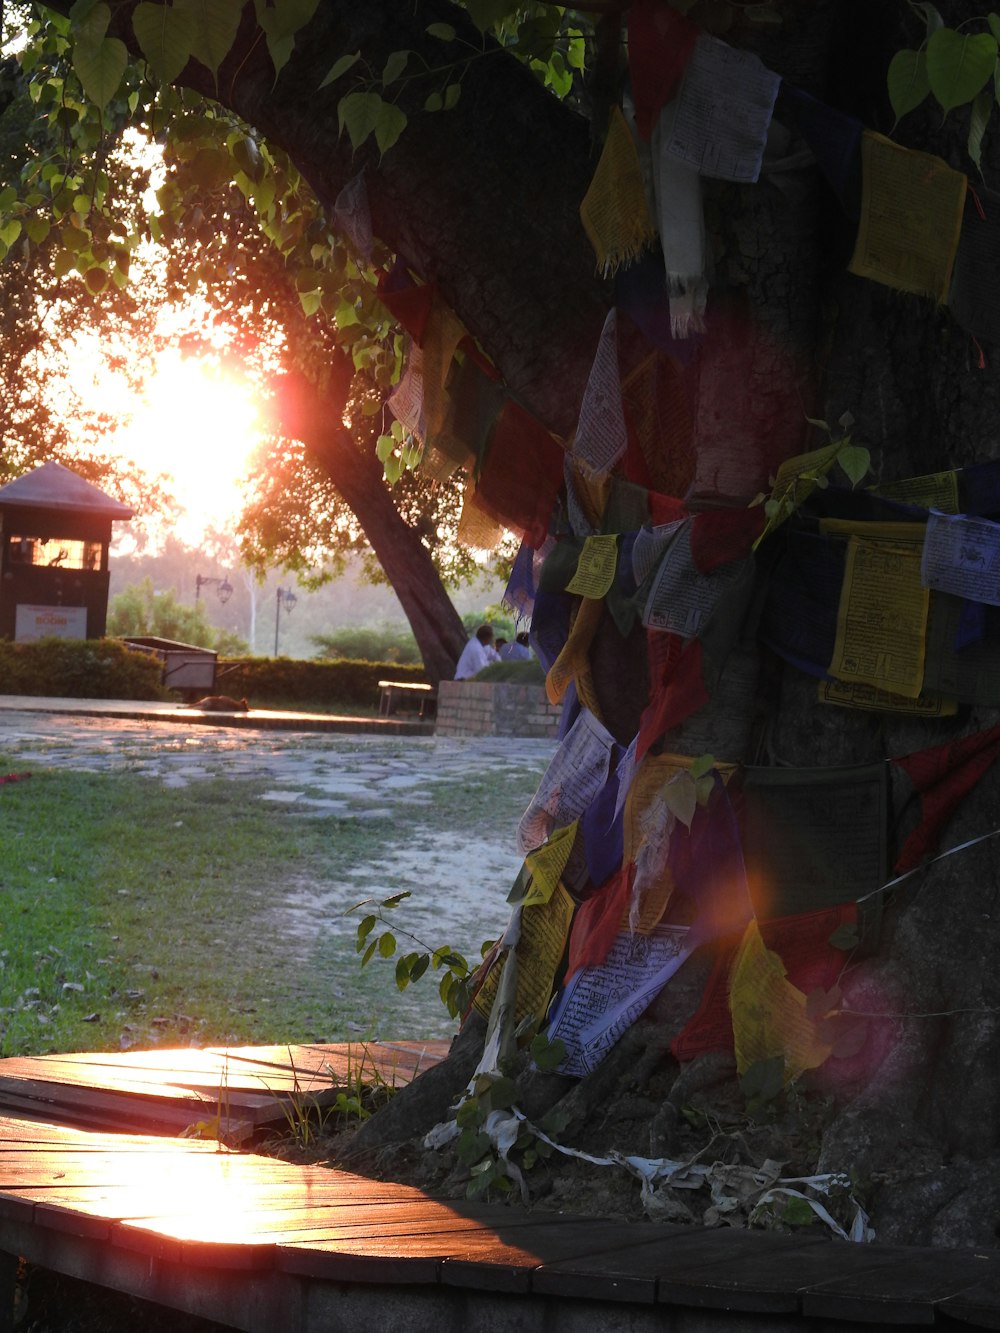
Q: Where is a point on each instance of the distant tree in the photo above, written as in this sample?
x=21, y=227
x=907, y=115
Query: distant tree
x=141, y=610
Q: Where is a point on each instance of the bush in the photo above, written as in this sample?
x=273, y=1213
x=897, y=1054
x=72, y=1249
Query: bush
x=80, y=669
x=514, y=673
x=283, y=680
x=378, y=643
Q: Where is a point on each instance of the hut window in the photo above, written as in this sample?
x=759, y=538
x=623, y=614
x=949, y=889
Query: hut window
x=54, y=552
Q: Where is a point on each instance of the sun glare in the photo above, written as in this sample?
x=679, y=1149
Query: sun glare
x=199, y=426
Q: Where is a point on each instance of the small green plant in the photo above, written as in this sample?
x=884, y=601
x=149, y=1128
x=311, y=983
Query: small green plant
x=453, y=987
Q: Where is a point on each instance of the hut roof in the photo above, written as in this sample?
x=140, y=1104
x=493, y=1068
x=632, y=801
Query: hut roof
x=53, y=486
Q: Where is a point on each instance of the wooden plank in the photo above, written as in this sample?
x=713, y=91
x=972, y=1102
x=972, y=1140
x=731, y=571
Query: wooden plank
x=639, y=1272
x=907, y=1291
x=978, y=1305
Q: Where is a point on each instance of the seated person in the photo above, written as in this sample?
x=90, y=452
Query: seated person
x=477, y=654
x=518, y=651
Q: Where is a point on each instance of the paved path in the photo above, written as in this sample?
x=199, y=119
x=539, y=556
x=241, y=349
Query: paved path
x=180, y=746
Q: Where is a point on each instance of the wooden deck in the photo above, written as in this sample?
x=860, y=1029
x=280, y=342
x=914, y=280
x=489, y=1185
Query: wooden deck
x=262, y=1245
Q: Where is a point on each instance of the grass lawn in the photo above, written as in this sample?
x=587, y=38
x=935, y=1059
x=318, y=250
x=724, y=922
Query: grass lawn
x=138, y=914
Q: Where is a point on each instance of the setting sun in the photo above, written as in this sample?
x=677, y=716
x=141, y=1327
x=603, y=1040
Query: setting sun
x=198, y=425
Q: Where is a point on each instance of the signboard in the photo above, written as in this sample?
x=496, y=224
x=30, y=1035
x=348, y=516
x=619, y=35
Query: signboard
x=42, y=622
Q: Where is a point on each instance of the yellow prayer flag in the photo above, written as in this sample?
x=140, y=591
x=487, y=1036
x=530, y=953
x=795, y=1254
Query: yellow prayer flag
x=477, y=528
x=539, y=950
x=442, y=334
x=547, y=863
x=882, y=616
x=572, y=662
x=769, y=1013
x=614, y=212
x=936, y=490
x=595, y=571
x=911, y=217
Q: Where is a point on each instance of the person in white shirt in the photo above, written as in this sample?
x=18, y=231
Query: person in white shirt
x=518, y=651
x=477, y=654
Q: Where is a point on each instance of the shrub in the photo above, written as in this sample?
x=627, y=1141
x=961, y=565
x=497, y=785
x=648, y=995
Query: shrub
x=378, y=643
x=284, y=680
x=79, y=669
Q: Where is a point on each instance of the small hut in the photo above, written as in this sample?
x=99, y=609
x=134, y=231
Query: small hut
x=55, y=529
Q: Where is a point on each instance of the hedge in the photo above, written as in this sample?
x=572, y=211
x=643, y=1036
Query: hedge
x=106, y=669
x=79, y=669
x=284, y=680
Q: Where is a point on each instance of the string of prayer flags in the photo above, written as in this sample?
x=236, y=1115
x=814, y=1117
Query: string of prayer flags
x=943, y=776
x=813, y=837
x=577, y=772
x=681, y=223
x=539, y=951
x=882, y=616
x=660, y=42
x=547, y=863
x=600, y=433
x=770, y=1015
x=911, y=217
x=599, y=1004
x=352, y=215
x=521, y=473
x=614, y=211
x=724, y=111
x=812, y=962
x=975, y=284
x=835, y=139
x=961, y=556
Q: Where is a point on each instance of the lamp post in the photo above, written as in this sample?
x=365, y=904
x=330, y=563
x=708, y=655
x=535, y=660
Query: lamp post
x=288, y=597
x=224, y=590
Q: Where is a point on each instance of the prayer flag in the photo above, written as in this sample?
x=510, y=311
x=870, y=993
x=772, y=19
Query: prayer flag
x=673, y=698
x=352, y=216
x=724, y=111
x=911, y=216
x=943, y=776
x=600, y=434
x=835, y=139
x=660, y=42
x=614, y=211
x=521, y=474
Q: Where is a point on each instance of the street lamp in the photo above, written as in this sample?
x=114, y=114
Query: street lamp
x=288, y=597
x=224, y=590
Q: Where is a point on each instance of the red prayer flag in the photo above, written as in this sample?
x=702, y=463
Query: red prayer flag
x=411, y=306
x=671, y=700
x=720, y=536
x=665, y=509
x=598, y=921
x=943, y=775
x=521, y=474
x=660, y=42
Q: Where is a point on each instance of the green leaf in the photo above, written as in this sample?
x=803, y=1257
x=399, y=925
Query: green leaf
x=99, y=61
x=211, y=167
x=365, y=928
x=764, y=1079
x=797, y=1213
x=994, y=21
x=394, y=67
x=396, y=898
x=451, y=95
x=215, y=24
x=932, y=18
x=10, y=230
x=387, y=944
x=547, y=1054
x=702, y=766
x=37, y=229
x=419, y=967
x=369, y=952
x=166, y=36
x=340, y=67
x=402, y=973
x=979, y=119
x=907, y=86
x=433, y=102
x=856, y=462
x=384, y=447
x=959, y=65
x=444, y=32
x=486, y=13
x=95, y=279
